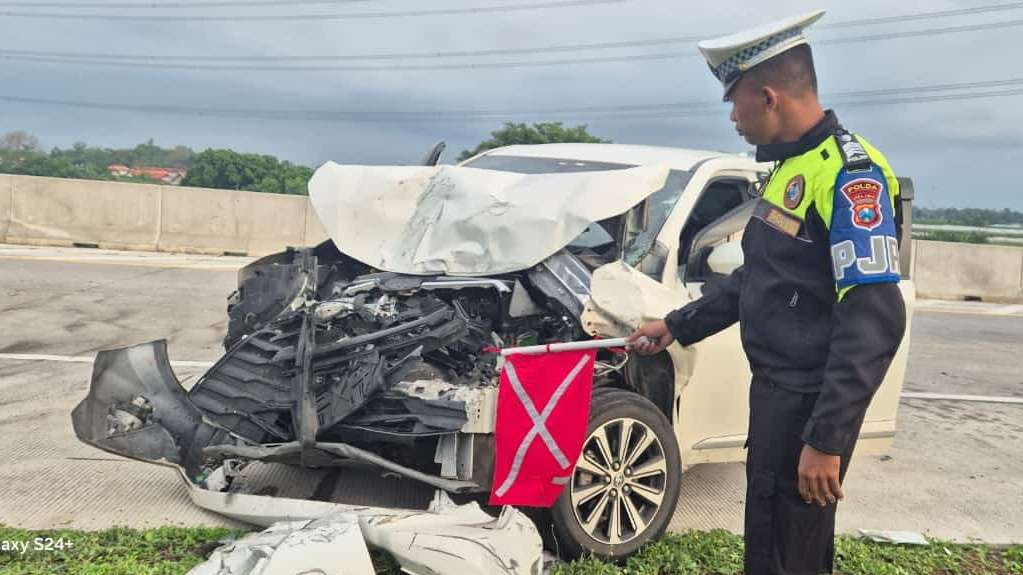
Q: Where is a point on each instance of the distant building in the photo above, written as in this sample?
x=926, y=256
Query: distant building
x=169, y=176
x=119, y=171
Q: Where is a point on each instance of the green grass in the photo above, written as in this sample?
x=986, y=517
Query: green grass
x=118, y=551
x=720, y=553
x=969, y=237
x=175, y=550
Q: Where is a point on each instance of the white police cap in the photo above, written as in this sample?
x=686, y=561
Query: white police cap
x=730, y=56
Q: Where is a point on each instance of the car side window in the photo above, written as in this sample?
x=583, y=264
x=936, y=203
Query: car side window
x=724, y=231
x=716, y=200
x=722, y=210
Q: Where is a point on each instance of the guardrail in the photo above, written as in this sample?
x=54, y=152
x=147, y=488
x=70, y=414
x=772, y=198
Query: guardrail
x=54, y=211
x=947, y=270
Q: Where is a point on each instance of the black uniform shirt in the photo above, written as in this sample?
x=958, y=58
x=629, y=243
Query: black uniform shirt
x=817, y=298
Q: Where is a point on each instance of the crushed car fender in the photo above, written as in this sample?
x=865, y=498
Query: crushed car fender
x=614, y=296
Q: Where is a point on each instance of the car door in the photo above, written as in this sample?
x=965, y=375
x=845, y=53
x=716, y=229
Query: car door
x=714, y=400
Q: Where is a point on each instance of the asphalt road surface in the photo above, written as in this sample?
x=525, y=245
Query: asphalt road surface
x=955, y=470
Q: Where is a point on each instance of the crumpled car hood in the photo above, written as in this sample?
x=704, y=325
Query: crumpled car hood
x=466, y=221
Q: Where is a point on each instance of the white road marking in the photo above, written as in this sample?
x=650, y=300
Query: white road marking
x=953, y=397
x=123, y=258
x=86, y=359
x=968, y=308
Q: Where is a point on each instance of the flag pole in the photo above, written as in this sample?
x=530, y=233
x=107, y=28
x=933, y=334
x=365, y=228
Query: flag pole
x=569, y=346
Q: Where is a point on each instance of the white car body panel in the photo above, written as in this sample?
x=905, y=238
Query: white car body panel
x=465, y=221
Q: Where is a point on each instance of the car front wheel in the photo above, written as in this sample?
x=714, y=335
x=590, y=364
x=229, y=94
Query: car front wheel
x=625, y=486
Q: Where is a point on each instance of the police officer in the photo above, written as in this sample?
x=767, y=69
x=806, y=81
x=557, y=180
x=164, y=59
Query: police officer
x=817, y=297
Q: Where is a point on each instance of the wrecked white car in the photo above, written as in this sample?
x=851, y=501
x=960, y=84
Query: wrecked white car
x=356, y=372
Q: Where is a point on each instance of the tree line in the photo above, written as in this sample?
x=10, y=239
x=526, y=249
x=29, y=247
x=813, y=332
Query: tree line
x=967, y=216
x=21, y=154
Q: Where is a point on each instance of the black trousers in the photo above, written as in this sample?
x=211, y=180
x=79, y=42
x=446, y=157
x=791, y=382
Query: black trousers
x=784, y=535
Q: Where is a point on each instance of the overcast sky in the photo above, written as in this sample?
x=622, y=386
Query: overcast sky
x=964, y=152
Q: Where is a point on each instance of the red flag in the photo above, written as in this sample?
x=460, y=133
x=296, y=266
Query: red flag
x=543, y=405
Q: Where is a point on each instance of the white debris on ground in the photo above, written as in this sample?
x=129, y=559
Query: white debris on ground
x=332, y=546
x=446, y=539
x=898, y=537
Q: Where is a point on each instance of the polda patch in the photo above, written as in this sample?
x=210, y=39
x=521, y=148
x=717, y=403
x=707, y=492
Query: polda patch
x=794, y=192
x=864, y=195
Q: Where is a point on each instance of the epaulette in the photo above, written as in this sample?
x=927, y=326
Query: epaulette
x=854, y=156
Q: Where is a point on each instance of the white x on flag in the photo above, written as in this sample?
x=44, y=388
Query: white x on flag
x=539, y=422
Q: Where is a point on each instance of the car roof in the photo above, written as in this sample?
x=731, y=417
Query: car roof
x=677, y=158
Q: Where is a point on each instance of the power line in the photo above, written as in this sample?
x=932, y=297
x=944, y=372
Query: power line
x=175, y=4
x=379, y=14
x=169, y=63
x=923, y=32
x=172, y=4
x=715, y=107
x=355, y=57
x=923, y=15
x=515, y=51
x=915, y=94
x=923, y=99
x=352, y=68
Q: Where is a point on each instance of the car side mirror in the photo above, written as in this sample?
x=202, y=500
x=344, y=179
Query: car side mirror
x=725, y=258
x=433, y=157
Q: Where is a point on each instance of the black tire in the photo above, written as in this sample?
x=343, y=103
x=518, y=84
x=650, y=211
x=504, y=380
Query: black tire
x=568, y=534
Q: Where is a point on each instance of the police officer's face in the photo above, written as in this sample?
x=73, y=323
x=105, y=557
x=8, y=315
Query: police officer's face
x=754, y=112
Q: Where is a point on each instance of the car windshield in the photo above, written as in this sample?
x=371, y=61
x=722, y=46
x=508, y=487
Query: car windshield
x=600, y=237
x=528, y=165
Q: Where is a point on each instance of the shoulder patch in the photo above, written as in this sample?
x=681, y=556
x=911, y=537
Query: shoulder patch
x=854, y=156
x=864, y=248
x=864, y=196
x=794, y=192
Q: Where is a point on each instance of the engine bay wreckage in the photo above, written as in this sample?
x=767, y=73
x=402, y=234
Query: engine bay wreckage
x=372, y=353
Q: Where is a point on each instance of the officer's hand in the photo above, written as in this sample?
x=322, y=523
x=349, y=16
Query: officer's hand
x=658, y=337
x=818, y=477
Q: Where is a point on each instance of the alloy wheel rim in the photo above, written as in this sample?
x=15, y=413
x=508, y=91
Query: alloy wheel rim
x=619, y=482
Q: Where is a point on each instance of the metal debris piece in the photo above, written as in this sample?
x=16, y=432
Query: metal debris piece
x=897, y=537
x=282, y=452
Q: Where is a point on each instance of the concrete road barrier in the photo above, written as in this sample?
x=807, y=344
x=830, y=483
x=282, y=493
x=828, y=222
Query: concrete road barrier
x=55, y=211
x=6, y=186
x=118, y=215
x=274, y=221
x=947, y=270
x=199, y=220
x=314, y=232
